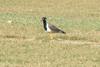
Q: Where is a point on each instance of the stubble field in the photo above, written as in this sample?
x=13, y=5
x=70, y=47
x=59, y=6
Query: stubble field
x=23, y=42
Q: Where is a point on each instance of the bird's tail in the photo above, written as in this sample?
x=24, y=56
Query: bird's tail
x=63, y=32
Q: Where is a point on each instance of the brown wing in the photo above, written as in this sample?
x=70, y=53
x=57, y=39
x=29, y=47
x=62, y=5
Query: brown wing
x=55, y=29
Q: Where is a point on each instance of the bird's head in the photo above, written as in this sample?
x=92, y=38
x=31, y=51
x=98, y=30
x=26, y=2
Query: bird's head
x=44, y=18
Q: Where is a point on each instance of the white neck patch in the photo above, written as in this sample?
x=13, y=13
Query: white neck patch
x=48, y=29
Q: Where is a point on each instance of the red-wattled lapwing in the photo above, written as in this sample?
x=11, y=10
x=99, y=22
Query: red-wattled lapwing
x=50, y=28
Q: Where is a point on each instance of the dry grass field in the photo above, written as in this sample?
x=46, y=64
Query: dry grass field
x=23, y=42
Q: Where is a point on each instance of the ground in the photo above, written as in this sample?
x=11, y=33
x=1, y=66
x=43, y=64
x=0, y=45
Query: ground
x=23, y=42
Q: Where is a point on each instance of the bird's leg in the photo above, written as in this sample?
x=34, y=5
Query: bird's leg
x=51, y=36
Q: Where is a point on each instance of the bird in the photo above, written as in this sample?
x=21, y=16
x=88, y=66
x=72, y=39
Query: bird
x=51, y=28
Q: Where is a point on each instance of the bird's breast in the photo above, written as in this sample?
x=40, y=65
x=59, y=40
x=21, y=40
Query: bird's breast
x=48, y=28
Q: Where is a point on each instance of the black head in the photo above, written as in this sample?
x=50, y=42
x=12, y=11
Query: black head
x=44, y=22
x=44, y=18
